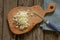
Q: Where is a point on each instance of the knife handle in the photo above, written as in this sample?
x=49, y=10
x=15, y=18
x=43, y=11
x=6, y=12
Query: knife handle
x=52, y=25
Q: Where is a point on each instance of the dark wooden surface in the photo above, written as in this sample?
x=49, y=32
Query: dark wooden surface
x=36, y=34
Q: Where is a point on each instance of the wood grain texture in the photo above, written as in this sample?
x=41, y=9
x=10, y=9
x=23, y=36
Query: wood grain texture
x=38, y=2
x=50, y=35
x=8, y=5
x=58, y=38
x=1, y=17
x=25, y=3
x=37, y=33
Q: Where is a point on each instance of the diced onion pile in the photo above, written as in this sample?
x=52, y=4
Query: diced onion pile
x=21, y=19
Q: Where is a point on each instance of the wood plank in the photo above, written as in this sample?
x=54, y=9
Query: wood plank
x=38, y=31
x=38, y=2
x=8, y=4
x=26, y=3
x=0, y=28
x=1, y=12
x=58, y=38
x=50, y=35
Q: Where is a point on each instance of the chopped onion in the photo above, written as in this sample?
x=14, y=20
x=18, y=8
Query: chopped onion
x=21, y=19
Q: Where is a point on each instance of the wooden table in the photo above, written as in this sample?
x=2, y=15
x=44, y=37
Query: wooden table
x=36, y=34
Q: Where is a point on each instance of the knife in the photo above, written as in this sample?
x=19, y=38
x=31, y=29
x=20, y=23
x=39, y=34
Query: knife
x=52, y=25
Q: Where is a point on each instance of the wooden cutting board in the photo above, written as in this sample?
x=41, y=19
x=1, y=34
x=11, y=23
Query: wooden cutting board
x=33, y=19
